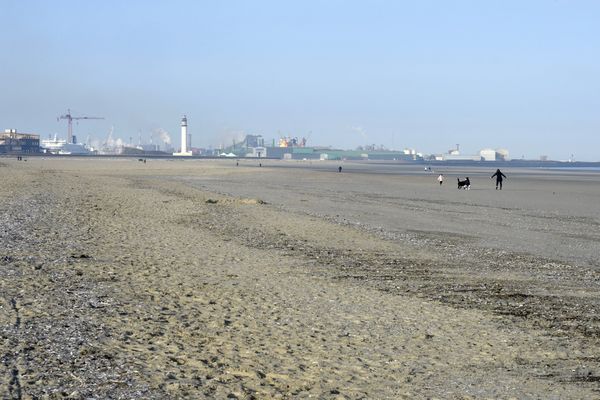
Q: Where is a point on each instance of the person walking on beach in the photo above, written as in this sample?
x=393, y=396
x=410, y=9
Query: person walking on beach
x=499, y=175
x=440, y=179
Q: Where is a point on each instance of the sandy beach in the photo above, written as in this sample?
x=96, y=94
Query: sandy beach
x=203, y=279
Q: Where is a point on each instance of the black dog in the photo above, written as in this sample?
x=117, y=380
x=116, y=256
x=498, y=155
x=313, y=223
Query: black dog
x=466, y=184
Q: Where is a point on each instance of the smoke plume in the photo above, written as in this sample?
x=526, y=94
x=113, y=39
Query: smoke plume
x=360, y=130
x=162, y=135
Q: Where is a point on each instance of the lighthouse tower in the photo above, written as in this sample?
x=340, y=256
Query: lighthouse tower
x=186, y=140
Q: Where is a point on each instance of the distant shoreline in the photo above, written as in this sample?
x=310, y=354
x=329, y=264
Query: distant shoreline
x=447, y=163
x=521, y=163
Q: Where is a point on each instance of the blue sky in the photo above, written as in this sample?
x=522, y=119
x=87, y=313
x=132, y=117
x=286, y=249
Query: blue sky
x=521, y=75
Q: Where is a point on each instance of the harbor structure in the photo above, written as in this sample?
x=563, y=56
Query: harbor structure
x=487, y=154
x=12, y=142
x=70, y=138
x=186, y=140
x=54, y=145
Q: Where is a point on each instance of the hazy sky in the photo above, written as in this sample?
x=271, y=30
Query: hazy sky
x=522, y=75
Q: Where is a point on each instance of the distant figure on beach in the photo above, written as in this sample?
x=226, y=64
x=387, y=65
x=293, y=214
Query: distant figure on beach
x=237, y=163
x=499, y=175
x=260, y=164
x=340, y=168
x=440, y=179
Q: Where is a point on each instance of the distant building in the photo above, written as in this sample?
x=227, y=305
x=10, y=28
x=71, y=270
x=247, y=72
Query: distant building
x=292, y=142
x=254, y=141
x=458, y=157
x=488, y=155
x=325, y=153
x=150, y=147
x=19, y=143
x=502, y=154
x=257, y=152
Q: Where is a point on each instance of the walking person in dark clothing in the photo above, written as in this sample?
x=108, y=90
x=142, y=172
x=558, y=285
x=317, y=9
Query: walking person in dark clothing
x=499, y=175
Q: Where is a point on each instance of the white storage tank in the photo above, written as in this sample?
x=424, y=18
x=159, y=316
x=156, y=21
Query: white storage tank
x=502, y=154
x=488, y=154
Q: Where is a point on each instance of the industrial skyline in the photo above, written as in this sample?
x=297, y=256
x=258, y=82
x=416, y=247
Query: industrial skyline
x=425, y=75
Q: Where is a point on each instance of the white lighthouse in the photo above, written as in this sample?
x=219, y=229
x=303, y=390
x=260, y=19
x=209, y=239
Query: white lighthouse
x=186, y=140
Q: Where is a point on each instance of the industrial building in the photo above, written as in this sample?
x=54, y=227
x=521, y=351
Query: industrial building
x=291, y=148
x=254, y=141
x=12, y=142
x=494, y=155
x=324, y=153
x=487, y=154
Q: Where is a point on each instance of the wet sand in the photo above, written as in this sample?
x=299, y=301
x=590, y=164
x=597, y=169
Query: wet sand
x=200, y=279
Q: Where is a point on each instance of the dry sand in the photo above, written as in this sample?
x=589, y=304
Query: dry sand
x=199, y=279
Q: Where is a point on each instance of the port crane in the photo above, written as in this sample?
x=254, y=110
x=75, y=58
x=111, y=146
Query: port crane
x=70, y=119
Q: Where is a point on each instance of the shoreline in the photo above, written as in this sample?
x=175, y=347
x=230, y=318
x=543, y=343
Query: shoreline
x=513, y=163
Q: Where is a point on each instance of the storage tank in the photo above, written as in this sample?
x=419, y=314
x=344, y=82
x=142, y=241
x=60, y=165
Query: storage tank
x=488, y=154
x=502, y=154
